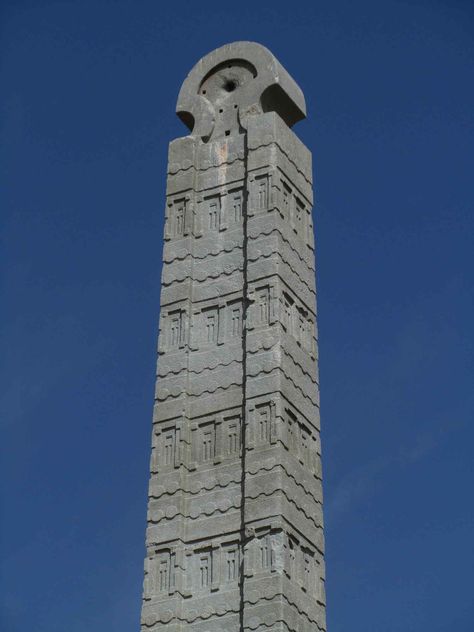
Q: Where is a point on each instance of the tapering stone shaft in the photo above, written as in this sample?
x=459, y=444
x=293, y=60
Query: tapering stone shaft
x=235, y=526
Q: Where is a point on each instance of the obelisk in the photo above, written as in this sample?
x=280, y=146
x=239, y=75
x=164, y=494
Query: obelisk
x=235, y=524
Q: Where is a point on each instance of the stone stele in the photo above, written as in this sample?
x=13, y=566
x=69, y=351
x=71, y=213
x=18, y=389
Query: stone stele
x=235, y=523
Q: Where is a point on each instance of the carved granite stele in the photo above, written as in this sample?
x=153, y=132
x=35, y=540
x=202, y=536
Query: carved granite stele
x=235, y=523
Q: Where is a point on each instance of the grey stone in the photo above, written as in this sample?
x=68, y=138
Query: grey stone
x=235, y=522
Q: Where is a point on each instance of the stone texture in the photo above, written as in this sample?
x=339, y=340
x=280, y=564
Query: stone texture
x=235, y=524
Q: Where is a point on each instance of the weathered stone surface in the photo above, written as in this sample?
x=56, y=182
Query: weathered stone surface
x=235, y=522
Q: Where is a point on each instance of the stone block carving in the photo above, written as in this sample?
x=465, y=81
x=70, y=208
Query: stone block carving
x=235, y=525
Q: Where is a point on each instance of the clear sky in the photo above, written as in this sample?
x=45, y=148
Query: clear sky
x=88, y=95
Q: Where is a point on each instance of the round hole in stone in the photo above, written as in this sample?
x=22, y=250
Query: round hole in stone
x=230, y=86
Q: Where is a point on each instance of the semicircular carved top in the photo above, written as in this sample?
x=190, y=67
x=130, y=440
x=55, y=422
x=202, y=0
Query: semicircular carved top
x=232, y=83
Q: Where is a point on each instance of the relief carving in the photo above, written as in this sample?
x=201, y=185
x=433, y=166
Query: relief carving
x=234, y=536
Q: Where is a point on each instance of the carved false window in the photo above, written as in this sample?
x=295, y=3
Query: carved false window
x=300, y=329
x=169, y=446
x=208, y=442
x=177, y=217
x=263, y=423
x=231, y=563
x=175, y=329
x=305, y=438
x=211, y=325
x=291, y=424
x=300, y=219
x=263, y=305
x=306, y=569
x=166, y=572
x=205, y=569
x=163, y=576
x=313, y=455
x=236, y=206
x=291, y=433
x=292, y=546
x=166, y=453
x=235, y=320
x=261, y=186
x=203, y=444
x=265, y=550
x=213, y=212
x=308, y=560
x=287, y=316
x=233, y=436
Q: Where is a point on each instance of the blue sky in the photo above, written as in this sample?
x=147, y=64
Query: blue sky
x=89, y=89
